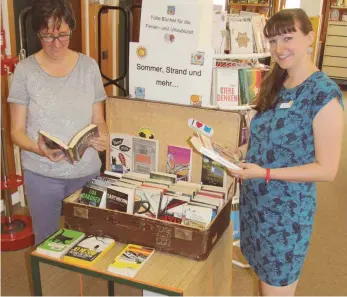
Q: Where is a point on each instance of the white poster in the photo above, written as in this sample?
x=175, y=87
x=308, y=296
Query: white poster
x=170, y=75
x=170, y=22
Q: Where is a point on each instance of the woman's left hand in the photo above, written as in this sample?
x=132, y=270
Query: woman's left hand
x=100, y=143
x=250, y=171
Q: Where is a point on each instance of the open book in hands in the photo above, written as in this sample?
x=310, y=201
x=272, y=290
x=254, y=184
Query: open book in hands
x=75, y=149
x=214, y=151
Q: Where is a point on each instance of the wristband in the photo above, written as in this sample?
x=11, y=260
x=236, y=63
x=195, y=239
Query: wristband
x=267, y=176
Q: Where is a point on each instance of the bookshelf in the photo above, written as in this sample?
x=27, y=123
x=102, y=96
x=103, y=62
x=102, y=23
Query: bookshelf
x=261, y=8
x=249, y=5
x=242, y=56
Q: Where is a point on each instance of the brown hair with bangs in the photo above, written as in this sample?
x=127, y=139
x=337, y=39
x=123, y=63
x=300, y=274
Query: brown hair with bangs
x=56, y=10
x=282, y=22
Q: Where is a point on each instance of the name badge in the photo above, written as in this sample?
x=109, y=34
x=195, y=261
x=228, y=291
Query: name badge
x=286, y=104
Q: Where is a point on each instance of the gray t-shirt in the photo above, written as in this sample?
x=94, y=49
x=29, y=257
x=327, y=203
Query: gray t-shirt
x=60, y=106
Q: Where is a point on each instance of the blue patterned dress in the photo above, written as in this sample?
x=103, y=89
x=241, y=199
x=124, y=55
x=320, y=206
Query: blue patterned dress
x=277, y=217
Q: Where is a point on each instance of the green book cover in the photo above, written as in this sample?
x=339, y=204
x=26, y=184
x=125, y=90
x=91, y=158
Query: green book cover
x=60, y=240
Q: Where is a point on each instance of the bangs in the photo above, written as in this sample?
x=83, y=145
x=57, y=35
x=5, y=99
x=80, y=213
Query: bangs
x=279, y=25
x=53, y=22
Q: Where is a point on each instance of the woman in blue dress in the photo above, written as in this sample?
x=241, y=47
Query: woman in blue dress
x=295, y=141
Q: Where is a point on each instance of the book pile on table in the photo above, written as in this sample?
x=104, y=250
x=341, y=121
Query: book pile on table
x=83, y=250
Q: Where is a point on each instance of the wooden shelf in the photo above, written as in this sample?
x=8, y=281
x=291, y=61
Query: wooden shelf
x=249, y=4
x=242, y=56
x=338, y=7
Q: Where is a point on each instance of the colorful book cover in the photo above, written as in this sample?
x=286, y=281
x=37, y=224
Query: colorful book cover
x=250, y=81
x=89, y=250
x=212, y=173
x=179, y=162
x=172, y=208
x=130, y=260
x=59, y=243
x=121, y=152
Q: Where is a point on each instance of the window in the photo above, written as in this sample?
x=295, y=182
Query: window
x=293, y=3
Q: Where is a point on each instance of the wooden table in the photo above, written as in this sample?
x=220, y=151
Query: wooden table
x=164, y=273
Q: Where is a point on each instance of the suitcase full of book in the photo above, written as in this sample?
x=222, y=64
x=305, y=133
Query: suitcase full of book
x=170, y=237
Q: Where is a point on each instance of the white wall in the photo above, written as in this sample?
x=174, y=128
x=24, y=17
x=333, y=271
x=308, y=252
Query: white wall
x=312, y=7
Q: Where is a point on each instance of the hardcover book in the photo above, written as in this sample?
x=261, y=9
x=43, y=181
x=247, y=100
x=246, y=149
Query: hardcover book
x=131, y=260
x=145, y=155
x=75, y=149
x=58, y=244
x=89, y=250
x=179, y=162
x=121, y=153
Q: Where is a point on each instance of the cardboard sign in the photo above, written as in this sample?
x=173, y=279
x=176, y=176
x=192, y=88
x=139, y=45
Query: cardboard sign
x=170, y=75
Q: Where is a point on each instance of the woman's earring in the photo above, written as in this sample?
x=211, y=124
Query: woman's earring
x=310, y=50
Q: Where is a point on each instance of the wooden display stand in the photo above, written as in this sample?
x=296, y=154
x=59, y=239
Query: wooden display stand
x=164, y=273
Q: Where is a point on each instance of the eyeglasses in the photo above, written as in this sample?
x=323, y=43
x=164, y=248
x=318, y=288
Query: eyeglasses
x=49, y=38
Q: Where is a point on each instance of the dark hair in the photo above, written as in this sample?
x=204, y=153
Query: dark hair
x=59, y=10
x=282, y=22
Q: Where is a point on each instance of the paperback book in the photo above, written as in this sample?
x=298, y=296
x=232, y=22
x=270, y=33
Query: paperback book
x=121, y=152
x=145, y=155
x=93, y=195
x=212, y=173
x=204, y=145
x=58, y=244
x=89, y=250
x=131, y=260
x=179, y=162
x=250, y=81
x=120, y=198
x=75, y=149
x=147, y=202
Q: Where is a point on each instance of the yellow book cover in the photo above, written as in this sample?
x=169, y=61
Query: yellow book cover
x=130, y=260
x=88, y=251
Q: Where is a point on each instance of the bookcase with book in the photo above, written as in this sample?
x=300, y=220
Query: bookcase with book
x=263, y=7
x=237, y=71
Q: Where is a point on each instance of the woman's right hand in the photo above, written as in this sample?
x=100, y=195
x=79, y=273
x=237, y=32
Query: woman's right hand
x=55, y=155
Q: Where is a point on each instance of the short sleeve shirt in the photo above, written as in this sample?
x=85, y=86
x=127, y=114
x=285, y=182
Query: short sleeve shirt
x=61, y=106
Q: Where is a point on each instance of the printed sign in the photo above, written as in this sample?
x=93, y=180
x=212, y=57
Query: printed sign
x=170, y=75
x=170, y=22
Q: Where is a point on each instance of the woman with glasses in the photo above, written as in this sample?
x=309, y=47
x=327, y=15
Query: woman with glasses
x=61, y=92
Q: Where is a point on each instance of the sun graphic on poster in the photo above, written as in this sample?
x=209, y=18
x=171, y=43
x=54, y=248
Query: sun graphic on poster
x=141, y=52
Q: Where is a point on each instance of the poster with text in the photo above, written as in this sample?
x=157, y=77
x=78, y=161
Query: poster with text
x=173, y=23
x=170, y=75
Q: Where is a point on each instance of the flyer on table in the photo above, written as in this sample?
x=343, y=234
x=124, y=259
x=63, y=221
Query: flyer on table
x=182, y=77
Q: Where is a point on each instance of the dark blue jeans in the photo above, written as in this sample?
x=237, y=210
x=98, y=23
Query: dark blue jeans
x=44, y=196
